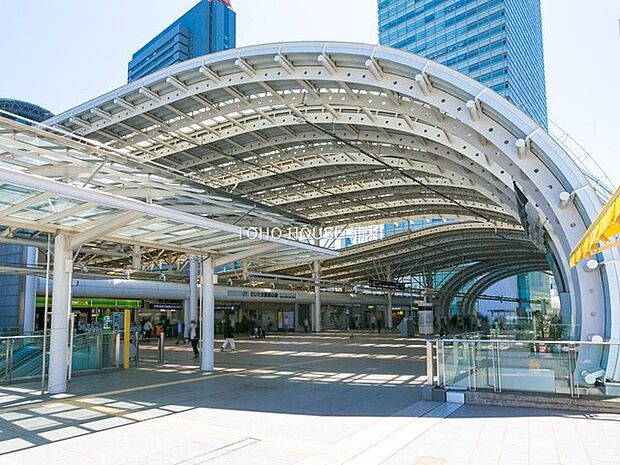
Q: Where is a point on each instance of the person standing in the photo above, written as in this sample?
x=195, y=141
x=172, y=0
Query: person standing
x=147, y=329
x=306, y=325
x=229, y=337
x=443, y=328
x=180, y=336
x=193, y=337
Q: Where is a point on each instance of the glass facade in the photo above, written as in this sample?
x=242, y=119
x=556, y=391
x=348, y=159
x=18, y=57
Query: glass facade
x=534, y=286
x=391, y=229
x=497, y=42
x=209, y=27
x=13, y=286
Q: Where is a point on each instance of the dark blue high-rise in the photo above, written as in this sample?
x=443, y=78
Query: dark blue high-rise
x=497, y=42
x=208, y=27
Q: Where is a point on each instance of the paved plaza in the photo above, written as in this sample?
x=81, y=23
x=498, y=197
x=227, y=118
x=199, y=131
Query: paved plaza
x=299, y=399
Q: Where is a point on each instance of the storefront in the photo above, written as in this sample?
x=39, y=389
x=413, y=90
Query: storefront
x=91, y=315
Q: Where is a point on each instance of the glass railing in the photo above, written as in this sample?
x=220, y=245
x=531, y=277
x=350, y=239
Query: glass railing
x=6, y=331
x=552, y=367
x=94, y=352
x=546, y=332
x=21, y=357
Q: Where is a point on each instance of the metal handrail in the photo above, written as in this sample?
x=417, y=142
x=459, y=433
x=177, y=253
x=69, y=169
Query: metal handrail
x=12, y=338
x=38, y=336
x=529, y=341
x=599, y=179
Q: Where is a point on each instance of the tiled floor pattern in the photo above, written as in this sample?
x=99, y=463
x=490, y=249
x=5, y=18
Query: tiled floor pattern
x=288, y=400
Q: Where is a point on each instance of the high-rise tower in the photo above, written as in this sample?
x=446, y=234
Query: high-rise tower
x=497, y=42
x=208, y=27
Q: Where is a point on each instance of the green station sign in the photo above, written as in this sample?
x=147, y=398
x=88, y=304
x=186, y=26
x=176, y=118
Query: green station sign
x=96, y=303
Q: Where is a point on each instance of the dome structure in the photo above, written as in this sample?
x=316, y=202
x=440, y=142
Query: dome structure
x=26, y=110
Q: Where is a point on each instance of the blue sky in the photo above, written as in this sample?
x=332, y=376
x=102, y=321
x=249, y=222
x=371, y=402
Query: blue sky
x=60, y=53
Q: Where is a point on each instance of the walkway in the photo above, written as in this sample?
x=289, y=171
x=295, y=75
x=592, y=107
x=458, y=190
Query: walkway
x=288, y=400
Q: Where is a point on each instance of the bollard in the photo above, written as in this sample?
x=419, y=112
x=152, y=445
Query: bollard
x=100, y=351
x=161, y=347
x=137, y=337
x=430, y=379
x=126, y=334
x=71, y=342
x=9, y=360
x=117, y=350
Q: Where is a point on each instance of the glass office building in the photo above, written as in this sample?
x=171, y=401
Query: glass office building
x=208, y=27
x=497, y=42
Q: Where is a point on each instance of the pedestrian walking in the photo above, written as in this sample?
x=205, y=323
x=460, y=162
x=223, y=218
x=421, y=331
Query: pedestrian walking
x=229, y=337
x=193, y=337
x=306, y=325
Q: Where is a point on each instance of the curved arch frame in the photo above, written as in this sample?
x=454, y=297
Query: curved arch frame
x=431, y=248
x=471, y=273
x=466, y=117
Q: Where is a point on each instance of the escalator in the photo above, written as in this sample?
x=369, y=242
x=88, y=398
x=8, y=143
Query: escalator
x=23, y=361
x=21, y=357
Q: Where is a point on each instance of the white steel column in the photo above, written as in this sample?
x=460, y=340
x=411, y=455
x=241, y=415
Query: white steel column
x=30, y=292
x=317, y=284
x=317, y=297
x=192, y=313
x=61, y=308
x=208, y=315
